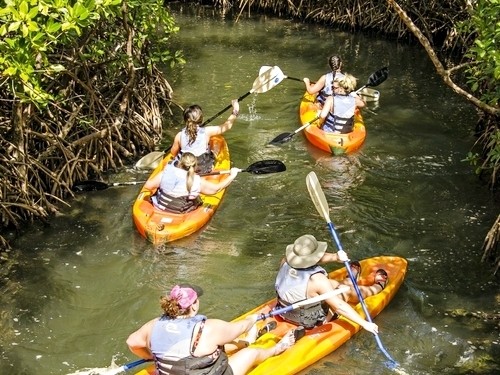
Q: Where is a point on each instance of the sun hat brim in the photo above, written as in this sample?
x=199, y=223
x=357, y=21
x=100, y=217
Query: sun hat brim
x=305, y=261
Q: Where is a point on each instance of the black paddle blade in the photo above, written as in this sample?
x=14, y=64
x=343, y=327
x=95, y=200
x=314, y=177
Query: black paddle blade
x=282, y=138
x=81, y=186
x=378, y=77
x=265, y=167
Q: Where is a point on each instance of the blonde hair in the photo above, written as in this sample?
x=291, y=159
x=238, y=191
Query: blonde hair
x=193, y=118
x=188, y=162
x=348, y=83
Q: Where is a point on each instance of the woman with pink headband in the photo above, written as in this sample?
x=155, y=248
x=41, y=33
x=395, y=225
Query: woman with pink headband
x=182, y=341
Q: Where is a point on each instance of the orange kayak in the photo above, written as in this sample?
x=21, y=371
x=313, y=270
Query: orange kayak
x=323, y=340
x=159, y=226
x=333, y=143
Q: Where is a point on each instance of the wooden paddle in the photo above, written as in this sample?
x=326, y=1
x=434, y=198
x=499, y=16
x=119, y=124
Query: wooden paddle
x=81, y=186
x=266, y=80
x=259, y=167
x=319, y=200
x=374, y=80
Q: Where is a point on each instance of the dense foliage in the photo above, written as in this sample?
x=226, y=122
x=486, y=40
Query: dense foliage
x=79, y=92
x=483, y=75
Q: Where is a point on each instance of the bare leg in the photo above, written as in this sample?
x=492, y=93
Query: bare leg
x=366, y=291
x=242, y=343
x=242, y=361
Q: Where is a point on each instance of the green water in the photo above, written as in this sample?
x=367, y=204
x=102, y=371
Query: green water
x=87, y=280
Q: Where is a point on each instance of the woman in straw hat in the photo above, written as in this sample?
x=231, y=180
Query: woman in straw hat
x=300, y=277
x=182, y=341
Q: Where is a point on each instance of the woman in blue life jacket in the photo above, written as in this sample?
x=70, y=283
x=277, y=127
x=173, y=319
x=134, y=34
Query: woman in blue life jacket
x=178, y=187
x=324, y=84
x=182, y=341
x=194, y=138
x=338, y=111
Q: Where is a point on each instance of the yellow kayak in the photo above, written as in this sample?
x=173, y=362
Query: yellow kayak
x=322, y=340
x=333, y=143
x=159, y=226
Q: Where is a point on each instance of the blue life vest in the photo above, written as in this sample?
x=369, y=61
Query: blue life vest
x=327, y=90
x=173, y=355
x=342, y=118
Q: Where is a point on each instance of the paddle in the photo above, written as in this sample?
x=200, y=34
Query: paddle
x=319, y=200
x=321, y=297
x=374, y=80
x=259, y=167
x=126, y=367
x=81, y=186
x=267, y=79
x=285, y=137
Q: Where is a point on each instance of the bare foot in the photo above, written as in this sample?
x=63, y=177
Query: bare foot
x=286, y=342
x=251, y=335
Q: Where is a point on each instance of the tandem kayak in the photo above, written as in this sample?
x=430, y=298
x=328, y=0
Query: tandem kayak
x=159, y=226
x=333, y=143
x=324, y=339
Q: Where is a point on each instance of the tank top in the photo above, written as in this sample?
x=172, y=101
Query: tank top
x=199, y=146
x=327, y=90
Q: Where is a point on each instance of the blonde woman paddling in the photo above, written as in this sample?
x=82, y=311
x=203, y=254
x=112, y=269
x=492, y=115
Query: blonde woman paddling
x=177, y=187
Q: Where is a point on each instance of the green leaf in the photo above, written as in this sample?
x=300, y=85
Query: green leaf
x=14, y=26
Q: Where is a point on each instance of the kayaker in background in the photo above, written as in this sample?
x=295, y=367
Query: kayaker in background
x=177, y=188
x=182, y=341
x=300, y=277
x=338, y=110
x=324, y=85
x=194, y=138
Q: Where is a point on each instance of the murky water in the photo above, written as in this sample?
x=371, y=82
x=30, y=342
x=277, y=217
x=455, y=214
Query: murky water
x=88, y=280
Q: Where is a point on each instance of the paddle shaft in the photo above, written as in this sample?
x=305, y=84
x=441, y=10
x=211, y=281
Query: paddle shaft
x=306, y=302
x=306, y=125
x=358, y=292
x=321, y=204
x=225, y=109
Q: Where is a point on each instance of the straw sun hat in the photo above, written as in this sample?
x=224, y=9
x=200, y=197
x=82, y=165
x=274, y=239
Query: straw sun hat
x=305, y=251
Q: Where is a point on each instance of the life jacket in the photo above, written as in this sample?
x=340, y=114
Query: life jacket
x=170, y=344
x=172, y=194
x=327, y=90
x=342, y=118
x=291, y=287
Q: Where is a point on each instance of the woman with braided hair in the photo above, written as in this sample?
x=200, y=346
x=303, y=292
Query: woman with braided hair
x=324, y=85
x=194, y=137
x=178, y=187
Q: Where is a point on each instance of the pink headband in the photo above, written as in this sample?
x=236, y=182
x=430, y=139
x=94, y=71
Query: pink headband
x=185, y=297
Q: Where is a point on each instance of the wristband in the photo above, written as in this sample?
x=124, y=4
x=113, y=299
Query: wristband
x=235, y=113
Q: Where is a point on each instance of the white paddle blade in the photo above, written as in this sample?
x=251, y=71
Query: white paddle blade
x=317, y=196
x=264, y=68
x=267, y=80
x=150, y=161
x=322, y=297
